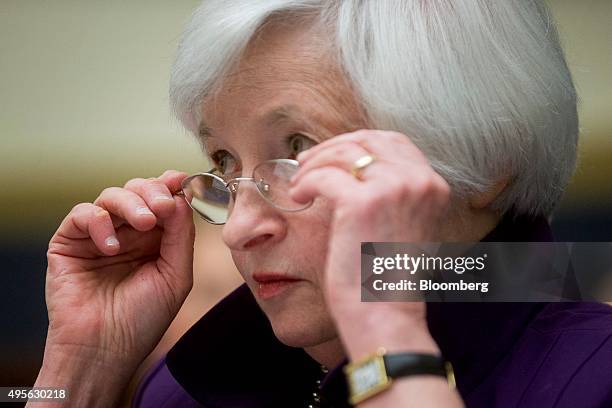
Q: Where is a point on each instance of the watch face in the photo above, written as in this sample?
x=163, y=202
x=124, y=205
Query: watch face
x=368, y=376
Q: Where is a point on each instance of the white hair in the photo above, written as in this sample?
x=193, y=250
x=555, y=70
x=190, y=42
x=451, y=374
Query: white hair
x=480, y=86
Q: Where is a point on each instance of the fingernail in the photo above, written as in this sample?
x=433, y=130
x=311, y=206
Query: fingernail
x=163, y=197
x=143, y=211
x=111, y=241
x=300, y=156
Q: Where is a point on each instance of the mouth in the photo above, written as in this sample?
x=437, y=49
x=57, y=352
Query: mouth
x=271, y=284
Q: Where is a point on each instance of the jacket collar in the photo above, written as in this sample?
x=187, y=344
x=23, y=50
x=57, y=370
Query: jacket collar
x=231, y=357
x=487, y=330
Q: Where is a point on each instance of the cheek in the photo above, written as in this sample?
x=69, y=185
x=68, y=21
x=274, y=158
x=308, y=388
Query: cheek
x=308, y=236
x=304, y=247
x=241, y=261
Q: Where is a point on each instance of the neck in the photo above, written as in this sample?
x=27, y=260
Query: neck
x=330, y=353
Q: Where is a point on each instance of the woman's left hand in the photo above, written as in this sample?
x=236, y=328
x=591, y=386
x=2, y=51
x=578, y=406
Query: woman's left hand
x=397, y=198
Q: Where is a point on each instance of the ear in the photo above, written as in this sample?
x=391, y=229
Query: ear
x=480, y=200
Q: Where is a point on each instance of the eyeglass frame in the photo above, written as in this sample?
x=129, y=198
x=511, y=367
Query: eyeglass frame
x=232, y=187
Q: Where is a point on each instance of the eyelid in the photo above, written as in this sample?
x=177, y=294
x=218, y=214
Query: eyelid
x=214, y=155
x=310, y=140
x=212, y=151
x=307, y=136
x=215, y=162
x=315, y=138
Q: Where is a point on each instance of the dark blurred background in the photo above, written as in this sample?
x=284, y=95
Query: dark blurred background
x=84, y=106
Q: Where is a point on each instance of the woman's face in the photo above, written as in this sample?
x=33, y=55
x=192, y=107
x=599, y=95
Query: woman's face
x=284, y=97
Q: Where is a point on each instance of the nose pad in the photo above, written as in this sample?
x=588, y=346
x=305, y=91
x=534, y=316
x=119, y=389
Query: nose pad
x=233, y=186
x=250, y=221
x=235, y=190
x=262, y=185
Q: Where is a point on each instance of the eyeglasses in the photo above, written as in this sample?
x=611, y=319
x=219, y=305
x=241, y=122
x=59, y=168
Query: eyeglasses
x=212, y=198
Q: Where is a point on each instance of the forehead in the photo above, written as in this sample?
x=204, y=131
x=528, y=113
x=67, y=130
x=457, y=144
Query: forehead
x=286, y=73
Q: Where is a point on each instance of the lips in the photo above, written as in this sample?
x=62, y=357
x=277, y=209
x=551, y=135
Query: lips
x=272, y=284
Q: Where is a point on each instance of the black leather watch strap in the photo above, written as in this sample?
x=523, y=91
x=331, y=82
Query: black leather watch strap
x=405, y=364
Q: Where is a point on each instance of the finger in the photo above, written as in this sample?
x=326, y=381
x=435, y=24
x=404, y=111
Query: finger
x=87, y=220
x=128, y=206
x=172, y=179
x=342, y=155
x=155, y=193
x=139, y=244
x=393, y=146
x=133, y=242
x=330, y=182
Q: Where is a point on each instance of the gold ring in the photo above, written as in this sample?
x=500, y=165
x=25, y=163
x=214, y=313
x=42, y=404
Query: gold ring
x=360, y=164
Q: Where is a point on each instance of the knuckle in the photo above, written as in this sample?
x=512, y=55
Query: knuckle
x=100, y=213
x=155, y=185
x=140, y=185
x=422, y=190
x=363, y=134
x=423, y=184
x=399, y=185
x=110, y=191
x=106, y=193
x=434, y=187
x=444, y=195
x=168, y=173
x=399, y=137
x=134, y=183
x=171, y=174
x=443, y=187
x=81, y=207
x=396, y=188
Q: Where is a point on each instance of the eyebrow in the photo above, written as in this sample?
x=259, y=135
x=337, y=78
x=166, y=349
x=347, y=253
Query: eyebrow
x=272, y=118
x=281, y=114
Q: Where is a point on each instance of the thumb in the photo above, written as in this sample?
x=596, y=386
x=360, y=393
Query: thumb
x=176, y=250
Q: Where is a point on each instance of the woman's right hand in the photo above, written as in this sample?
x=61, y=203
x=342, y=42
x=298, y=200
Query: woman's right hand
x=119, y=270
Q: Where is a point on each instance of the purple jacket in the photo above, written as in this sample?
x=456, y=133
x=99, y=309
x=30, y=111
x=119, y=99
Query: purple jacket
x=504, y=354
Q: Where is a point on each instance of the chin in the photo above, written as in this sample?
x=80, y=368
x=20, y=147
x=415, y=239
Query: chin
x=301, y=325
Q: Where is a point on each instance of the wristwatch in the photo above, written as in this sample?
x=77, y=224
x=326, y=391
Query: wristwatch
x=374, y=373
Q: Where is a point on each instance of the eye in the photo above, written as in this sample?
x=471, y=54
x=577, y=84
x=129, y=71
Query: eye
x=224, y=162
x=298, y=143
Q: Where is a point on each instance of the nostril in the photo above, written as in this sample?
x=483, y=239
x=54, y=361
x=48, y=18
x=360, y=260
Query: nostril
x=257, y=240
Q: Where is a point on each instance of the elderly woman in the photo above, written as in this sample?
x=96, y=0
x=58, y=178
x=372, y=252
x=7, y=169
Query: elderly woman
x=411, y=121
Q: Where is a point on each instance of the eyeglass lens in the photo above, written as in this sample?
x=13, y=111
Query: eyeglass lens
x=209, y=196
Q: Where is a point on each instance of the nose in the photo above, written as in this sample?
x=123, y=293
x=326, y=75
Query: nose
x=253, y=223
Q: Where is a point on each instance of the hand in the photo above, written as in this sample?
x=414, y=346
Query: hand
x=399, y=198
x=119, y=270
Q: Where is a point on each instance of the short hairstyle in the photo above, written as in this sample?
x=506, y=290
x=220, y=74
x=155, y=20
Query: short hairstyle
x=480, y=86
